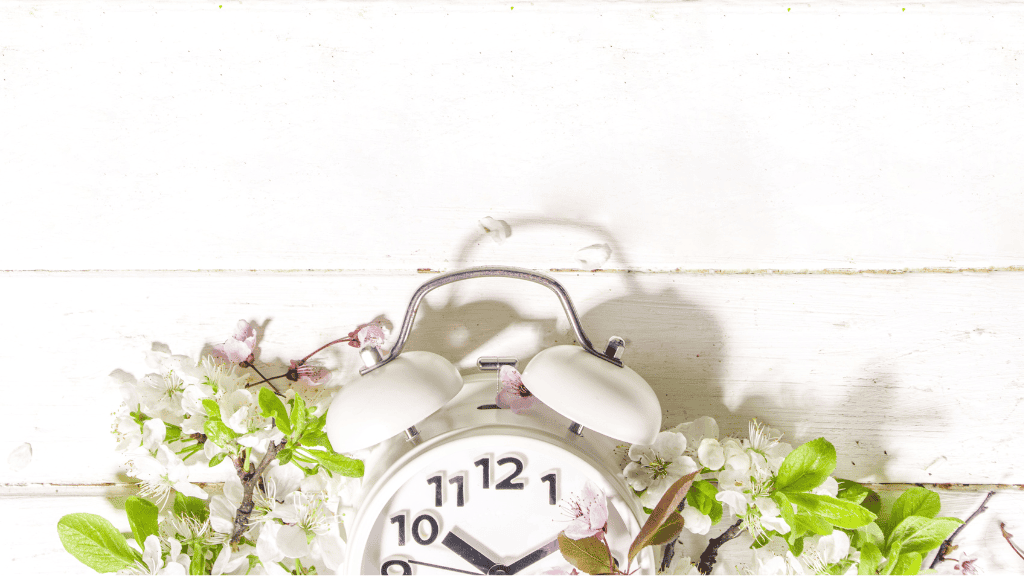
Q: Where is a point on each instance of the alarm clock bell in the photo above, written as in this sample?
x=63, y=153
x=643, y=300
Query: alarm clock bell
x=590, y=388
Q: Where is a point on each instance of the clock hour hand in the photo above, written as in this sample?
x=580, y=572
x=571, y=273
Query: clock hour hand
x=532, y=557
x=467, y=552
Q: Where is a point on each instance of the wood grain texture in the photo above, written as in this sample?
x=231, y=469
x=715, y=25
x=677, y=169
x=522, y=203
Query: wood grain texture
x=369, y=135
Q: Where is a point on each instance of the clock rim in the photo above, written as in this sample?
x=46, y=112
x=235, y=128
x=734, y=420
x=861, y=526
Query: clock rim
x=393, y=479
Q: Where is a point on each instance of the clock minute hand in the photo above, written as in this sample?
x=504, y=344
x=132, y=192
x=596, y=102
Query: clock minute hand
x=467, y=552
x=532, y=557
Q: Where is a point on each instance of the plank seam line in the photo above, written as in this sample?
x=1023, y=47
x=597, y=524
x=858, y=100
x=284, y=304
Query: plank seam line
x=676, y=271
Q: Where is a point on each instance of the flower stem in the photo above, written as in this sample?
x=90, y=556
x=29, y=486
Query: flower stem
x=331, y=343
x=710, y=555
x=947, y=544
x=265, y=379
x=1008, y=536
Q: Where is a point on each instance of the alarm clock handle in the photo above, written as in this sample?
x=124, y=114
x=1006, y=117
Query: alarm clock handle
x=492, y=272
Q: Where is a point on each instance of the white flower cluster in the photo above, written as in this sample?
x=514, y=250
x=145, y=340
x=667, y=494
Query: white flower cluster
x=743, y=471
x=162, y=430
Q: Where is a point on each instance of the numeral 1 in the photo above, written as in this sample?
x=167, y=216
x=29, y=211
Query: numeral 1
x=436, y=481
x=485, y=463
x=400, y=520
x=460, y=493
x=552, y=480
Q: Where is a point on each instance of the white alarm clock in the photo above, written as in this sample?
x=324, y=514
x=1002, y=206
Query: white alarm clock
x=473, y=489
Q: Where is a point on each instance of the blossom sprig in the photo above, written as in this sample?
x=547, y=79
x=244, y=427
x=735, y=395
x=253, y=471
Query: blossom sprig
x=800, y=518
x=283, y=480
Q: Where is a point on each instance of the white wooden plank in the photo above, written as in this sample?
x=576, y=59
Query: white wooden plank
x=32, y=545
x=915, y=378
x=369, y=135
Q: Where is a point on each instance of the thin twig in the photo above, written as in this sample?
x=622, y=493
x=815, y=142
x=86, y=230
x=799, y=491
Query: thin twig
x=710, y=555
x=265, y=379
x=1008, y=536
x=947, y=545
x=249, y=480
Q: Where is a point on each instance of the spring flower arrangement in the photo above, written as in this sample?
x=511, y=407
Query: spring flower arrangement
x=801, y=519
x=283, y=483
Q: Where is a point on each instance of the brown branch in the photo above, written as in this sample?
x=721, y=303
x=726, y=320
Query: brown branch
x=249, y=480
x=947, y=545
x=1008, y=536
x=710, y=555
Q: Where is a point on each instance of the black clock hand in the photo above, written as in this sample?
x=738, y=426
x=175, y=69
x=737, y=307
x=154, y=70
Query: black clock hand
x=467, y=552
x=441, y=567
x=532, y=557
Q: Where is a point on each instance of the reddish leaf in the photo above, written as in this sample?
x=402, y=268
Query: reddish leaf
x=588, y=554
x=661, y=513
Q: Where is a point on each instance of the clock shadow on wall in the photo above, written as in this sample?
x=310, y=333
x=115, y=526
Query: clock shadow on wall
x=675, y=344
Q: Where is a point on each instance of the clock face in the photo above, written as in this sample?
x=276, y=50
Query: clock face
x=482, y=502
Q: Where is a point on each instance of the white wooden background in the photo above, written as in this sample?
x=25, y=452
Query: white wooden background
x=813, y=214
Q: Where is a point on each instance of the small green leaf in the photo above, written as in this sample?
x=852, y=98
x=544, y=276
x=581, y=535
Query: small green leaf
x=806, y=467
x=916, y=501
x=95, y=542
x=833, y=510
x=316, y=439
x=868, y=534
x=142, y=517
x=870, y=557
x=921, y=534
x=299, y=415
x=669, y=503
x=702, y=497
x=217, y=458
x=272, y=407
x=590, y=555
x=337, y=463
x=219, y=433
x=195, y=507
x=173, y=432
x=212, y=409
x=285, y=455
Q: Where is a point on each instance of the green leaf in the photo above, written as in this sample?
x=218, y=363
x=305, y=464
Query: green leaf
x=299, y=416
x=870, y=557
x=921, y=534
x=142, y=517
x=702, y=497
x=212, y=409
x=95, y=542
x=338, y=463
x=285, y=455
x=173, y=432
x=217, y=458
x=833, y=510
x=219, y=433
x=316, y=439
x=858, y=494
x=272, y=407
x=868, y=534
x=907, y=563
x=916, y=501
x=669, y=503
x=806, y=467
x=195, y=507
x=590, y=555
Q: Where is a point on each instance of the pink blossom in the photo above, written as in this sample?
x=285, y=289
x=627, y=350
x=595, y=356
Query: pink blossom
x=239, y=348
x=512, y=393
x=308, y=373
x=967, y=565
x=371, y=334
x=590, y=513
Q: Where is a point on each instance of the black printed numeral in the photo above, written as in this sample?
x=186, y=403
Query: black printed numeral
x=400, y=520
x=460, y=493
x=552, y=480
x=436, y=481
x=386, y=567
x=485, y=463
x=507, y=483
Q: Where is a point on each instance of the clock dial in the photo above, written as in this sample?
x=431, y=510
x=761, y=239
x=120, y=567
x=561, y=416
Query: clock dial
x=484, y=504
